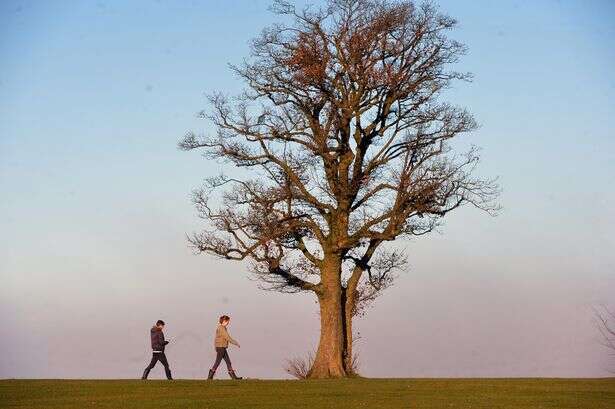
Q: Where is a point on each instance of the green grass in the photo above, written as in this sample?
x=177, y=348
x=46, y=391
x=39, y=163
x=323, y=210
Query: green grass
x=339, y=394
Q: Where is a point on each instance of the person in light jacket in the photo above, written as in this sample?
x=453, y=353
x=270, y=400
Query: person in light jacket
x=221, y=342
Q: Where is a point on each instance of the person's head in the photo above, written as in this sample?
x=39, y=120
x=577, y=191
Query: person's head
x=224, y=320
x=160, y=324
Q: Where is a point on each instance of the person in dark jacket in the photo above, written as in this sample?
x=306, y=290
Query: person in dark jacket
x=158, y=344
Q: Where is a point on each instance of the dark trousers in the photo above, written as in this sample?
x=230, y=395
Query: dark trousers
x=221, y=354
x=158, y=356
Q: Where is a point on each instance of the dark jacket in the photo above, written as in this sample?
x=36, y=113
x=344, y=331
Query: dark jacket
x=158, y=341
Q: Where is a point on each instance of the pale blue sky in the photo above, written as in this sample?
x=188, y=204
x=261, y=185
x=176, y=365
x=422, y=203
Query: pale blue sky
x=94, y=198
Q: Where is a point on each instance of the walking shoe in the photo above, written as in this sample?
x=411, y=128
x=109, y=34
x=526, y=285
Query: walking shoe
x=233, y=376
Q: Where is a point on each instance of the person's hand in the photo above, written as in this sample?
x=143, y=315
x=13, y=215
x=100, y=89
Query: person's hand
x=166, y=342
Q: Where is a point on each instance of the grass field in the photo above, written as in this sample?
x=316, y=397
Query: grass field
x=339, y=394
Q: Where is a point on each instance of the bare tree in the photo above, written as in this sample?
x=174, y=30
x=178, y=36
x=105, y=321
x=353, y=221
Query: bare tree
x=347, y=142
x=605, y=319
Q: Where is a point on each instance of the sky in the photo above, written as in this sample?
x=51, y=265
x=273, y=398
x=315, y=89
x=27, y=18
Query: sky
x=95, y=208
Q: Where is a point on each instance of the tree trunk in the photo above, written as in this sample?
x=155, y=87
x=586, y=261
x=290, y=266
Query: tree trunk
x=349, y=301
x=329, y=361
x=347, y=314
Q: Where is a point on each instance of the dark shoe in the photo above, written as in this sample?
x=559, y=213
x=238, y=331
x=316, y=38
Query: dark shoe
x=168, y=373
x=211, y=375
x=145, y=373
x=233, y=376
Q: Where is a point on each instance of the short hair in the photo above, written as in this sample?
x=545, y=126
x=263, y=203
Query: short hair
x=224, y=318
x=159, y=323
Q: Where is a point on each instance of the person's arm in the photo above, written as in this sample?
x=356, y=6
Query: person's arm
x=228, y=337
x=161, y=339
